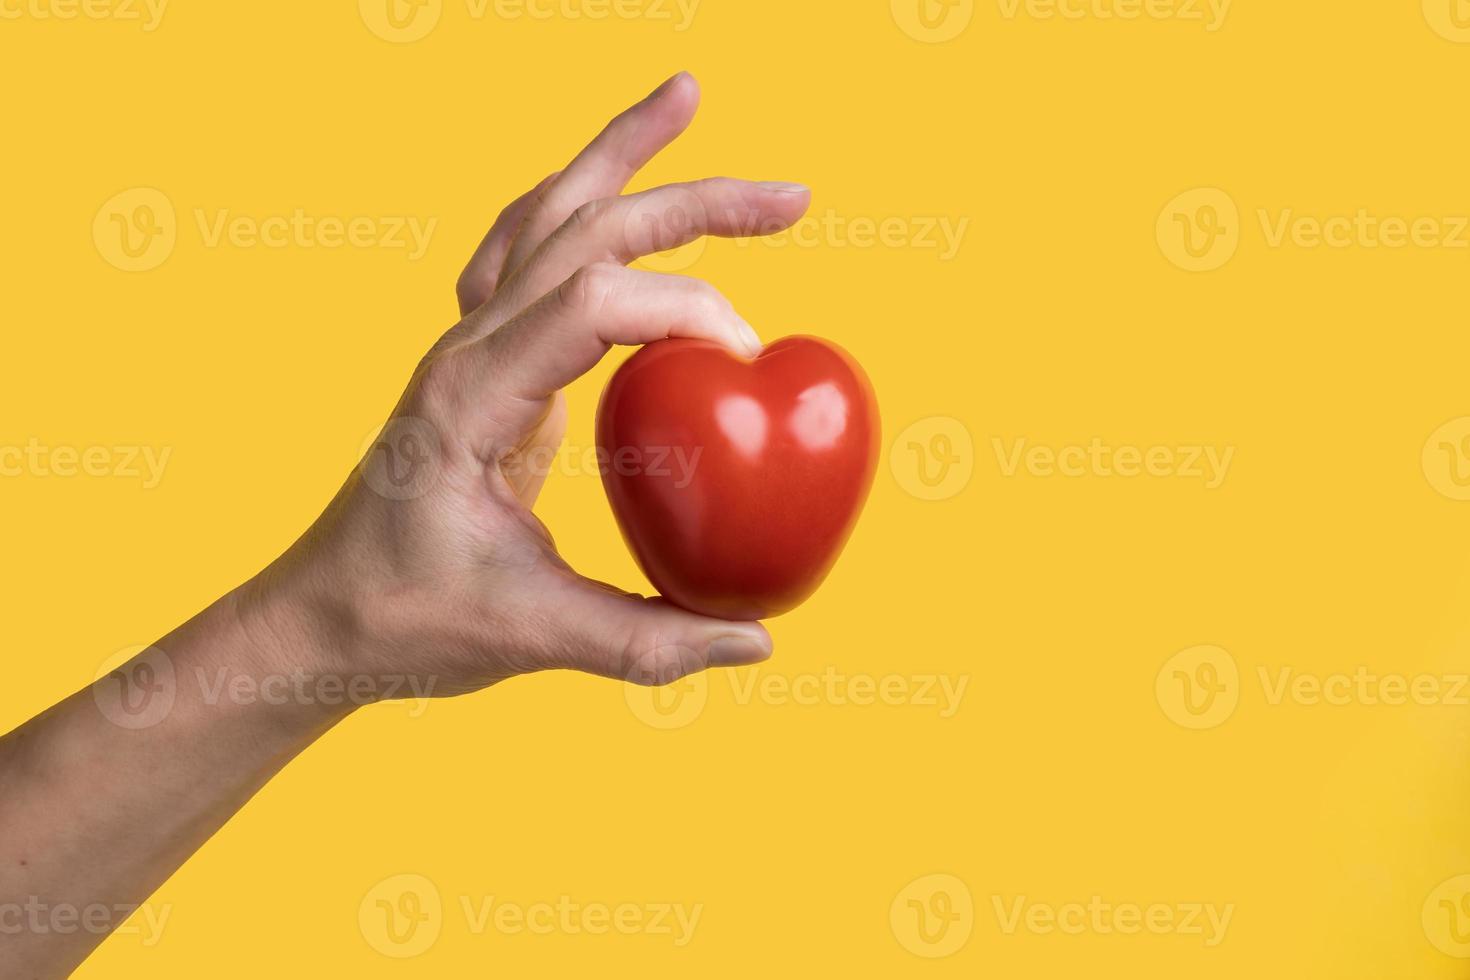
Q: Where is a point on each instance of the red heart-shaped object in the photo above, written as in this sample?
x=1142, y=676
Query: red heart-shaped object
x=736, y=482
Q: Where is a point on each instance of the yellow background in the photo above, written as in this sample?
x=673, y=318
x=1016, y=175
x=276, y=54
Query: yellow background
x=1063, y=317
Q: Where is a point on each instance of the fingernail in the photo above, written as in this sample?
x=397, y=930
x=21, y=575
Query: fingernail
x=749, y=336
x=737, y=650
x=665, y=85
x=784, y=187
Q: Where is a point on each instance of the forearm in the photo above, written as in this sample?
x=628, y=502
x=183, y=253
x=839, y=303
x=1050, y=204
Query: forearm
x=104, y=795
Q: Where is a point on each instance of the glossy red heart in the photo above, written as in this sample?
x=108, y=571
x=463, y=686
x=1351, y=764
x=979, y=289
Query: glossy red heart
x=736, y=482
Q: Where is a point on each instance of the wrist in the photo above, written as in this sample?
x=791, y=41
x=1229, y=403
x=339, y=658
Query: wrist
x=283, y=650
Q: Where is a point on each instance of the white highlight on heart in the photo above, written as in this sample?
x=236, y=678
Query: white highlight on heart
x=820, y=417
x=743, y=421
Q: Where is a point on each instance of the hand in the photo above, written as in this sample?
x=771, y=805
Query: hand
x=428, y=567
x=429, y=563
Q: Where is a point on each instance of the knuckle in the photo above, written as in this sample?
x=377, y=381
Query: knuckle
x=710, y=301
x=654, y=661
x=437, y=380
x=711, y=294
x=470, y=289
x=586, y=215
x=590, y=287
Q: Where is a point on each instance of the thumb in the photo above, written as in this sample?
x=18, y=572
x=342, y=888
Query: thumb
x=650, y=641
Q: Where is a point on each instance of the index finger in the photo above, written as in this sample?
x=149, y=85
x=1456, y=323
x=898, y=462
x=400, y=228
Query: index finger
x=622, y=229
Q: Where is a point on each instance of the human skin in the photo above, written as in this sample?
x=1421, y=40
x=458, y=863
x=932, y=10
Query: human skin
x=442, y=585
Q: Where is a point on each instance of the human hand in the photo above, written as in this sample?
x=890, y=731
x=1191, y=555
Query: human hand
x=428, y=567
x=429, y=562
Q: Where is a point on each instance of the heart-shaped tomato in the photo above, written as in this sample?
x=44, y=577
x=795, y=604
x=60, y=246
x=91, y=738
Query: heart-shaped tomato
x=736, y=482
